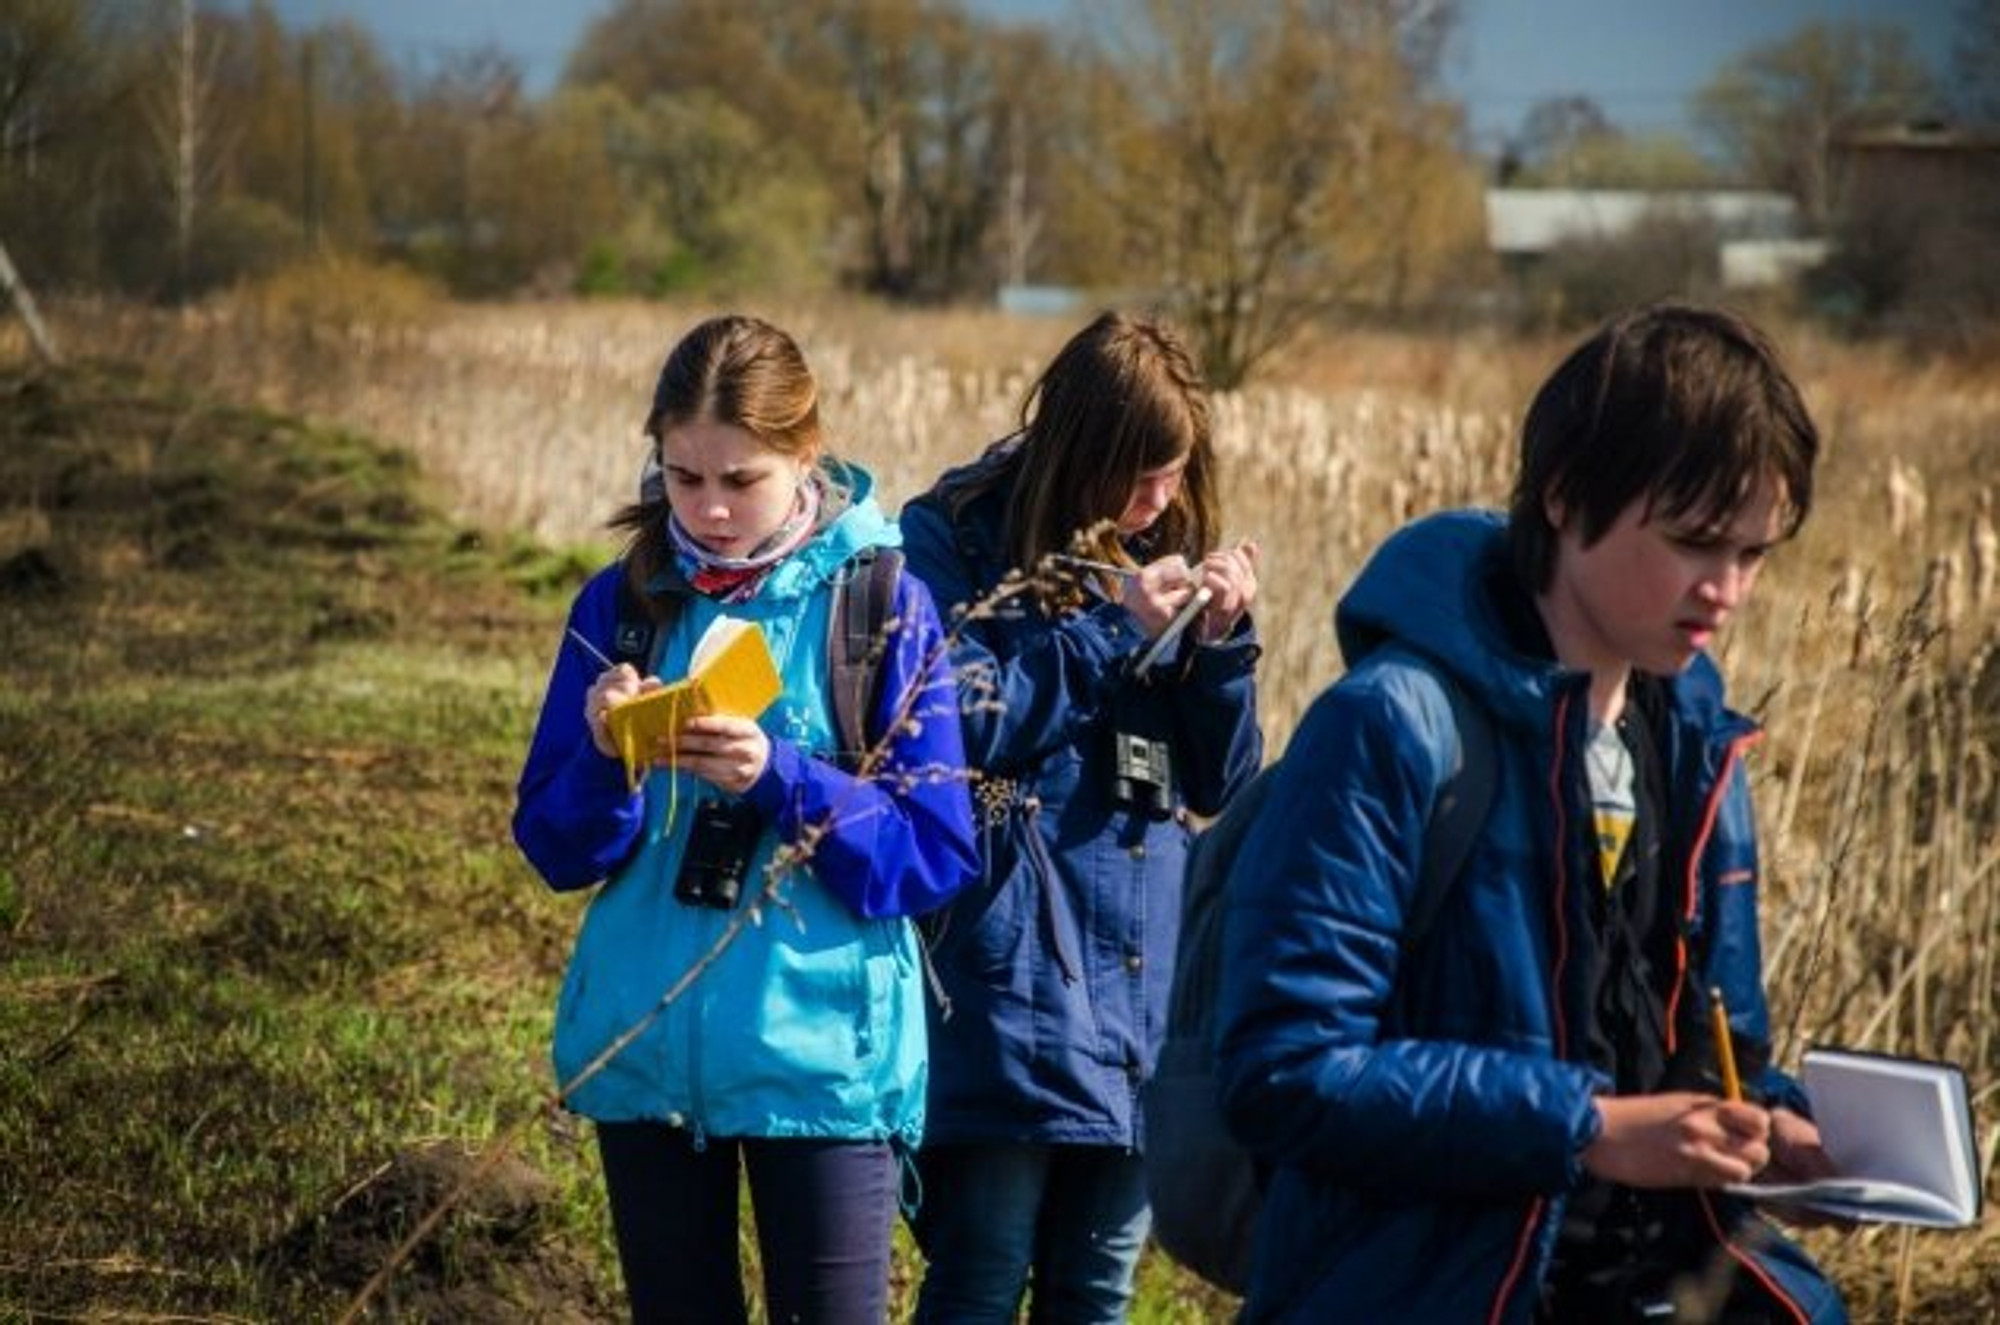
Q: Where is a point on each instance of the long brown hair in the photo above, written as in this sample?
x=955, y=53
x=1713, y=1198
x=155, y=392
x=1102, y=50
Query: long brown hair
x=736, y=370
x=1122, y=398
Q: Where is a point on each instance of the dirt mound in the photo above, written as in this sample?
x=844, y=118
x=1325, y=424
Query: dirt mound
x=497, y=1255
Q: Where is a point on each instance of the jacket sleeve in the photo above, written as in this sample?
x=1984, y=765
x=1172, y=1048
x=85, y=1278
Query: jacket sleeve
x=1316, y=907
x=895, y=839
x=575, y=818
x=1218, y=746
x=1027, y=683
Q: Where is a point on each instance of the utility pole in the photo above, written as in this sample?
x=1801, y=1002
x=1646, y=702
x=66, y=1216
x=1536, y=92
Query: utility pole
x=11, y=286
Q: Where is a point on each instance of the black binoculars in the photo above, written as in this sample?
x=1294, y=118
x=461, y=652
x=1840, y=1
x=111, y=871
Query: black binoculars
x=719, y=848
x=1141, y=774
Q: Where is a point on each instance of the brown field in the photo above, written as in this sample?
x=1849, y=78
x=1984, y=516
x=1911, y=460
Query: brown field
x=1869, y=652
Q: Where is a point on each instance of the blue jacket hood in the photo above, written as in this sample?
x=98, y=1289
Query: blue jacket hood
x=1431, y=588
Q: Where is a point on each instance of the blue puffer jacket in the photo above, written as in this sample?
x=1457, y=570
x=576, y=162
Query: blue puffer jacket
x=812, y=1022
x=1425, y=1111
x=1056, y=963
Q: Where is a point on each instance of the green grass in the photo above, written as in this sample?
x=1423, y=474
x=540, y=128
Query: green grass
x=262, y=930
x=270, y=967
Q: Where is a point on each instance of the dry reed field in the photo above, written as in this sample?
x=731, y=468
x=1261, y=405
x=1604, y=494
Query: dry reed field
x=1869, y=653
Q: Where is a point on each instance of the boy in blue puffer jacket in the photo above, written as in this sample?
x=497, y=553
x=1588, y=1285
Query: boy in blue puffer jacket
x=1514, y=1117
x=798, y=1052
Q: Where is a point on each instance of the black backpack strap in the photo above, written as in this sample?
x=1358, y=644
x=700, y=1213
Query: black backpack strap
x=1463, y=800
x=638, y=626
x=857, y=641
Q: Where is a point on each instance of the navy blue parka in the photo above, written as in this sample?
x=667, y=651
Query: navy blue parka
x=1056, y=962
x=1425, y=1105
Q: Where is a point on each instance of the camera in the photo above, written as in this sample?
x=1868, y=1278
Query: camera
x=719, y=848
x=1141, y=774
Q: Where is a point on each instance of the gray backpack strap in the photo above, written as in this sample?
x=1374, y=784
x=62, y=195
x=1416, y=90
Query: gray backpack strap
x=1463, y=800
x=857, y=642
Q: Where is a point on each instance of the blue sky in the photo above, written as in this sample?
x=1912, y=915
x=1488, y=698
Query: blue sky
x=1639, y=59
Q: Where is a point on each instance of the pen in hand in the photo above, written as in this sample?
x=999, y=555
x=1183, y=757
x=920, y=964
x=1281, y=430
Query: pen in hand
x=591, y=649
x=1189, y=610
x=1725, y=1050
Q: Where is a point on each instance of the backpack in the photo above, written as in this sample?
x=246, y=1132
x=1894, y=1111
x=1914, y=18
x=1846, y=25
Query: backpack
x=855, y=642
x=1206, y=1189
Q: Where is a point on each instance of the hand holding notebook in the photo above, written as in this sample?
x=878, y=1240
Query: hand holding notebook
x=731, y=672
x=1899, y=1131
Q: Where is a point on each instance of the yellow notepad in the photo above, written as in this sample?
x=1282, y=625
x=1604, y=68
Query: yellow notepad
x=731, y=671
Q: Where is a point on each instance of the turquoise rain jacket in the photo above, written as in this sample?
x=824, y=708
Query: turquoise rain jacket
x=1425, y=1113
x=810, y=1023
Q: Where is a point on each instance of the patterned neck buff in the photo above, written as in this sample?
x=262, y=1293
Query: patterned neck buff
x=737, y=579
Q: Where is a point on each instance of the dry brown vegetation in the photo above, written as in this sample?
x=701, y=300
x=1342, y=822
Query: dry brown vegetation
x=1870, y=653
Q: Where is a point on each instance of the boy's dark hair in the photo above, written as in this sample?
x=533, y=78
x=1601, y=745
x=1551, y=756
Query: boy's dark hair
x=1685, y=408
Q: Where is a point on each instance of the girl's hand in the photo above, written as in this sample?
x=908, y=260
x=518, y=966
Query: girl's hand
x=614, y=686
x=1230, y=574
x=729, y=752
x=1681, y=1139
x=1157, y=592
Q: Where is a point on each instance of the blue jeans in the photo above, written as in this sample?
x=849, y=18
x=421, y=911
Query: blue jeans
x=999, y=1219
x=824, y=1209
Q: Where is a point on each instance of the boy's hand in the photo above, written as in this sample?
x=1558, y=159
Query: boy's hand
x=729, y=752
x=612, y=686
x=1682, y=1139
x=1797, y=1156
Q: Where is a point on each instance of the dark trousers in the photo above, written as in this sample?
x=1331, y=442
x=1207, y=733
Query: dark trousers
x=824, y=1211
x=1062, y=1223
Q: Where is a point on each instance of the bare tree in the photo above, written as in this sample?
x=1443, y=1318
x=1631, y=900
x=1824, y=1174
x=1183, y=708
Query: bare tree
x=1778, y=109
x=182, y=117
x=1276, y=159
x=1555, y=133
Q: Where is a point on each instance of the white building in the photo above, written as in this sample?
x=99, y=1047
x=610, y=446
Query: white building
x=1757, y=230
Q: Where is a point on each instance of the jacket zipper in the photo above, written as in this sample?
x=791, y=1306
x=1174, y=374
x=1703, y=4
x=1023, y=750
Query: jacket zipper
x=1524, y=1243
x=1732, y=755
x=1691, y=886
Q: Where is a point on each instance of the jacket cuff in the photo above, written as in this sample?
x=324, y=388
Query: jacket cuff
x=784, y=768
x=597, y=773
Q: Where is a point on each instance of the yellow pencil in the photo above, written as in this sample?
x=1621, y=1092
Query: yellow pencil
x=1725, y=1051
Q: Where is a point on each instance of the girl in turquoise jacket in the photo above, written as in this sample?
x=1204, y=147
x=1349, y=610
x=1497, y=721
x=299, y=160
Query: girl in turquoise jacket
x=757, y=857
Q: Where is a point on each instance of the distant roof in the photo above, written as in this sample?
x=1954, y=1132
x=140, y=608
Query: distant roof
x=1922, y=137
x=1536, y=220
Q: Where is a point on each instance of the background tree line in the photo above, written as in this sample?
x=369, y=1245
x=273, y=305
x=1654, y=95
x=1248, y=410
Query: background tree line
x=1253, y=164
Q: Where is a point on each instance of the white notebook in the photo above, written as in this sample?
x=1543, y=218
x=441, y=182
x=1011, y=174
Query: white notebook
x=1899, y=1130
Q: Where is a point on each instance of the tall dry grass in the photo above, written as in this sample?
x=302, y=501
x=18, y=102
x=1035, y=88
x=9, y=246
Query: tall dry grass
x=1870, y=652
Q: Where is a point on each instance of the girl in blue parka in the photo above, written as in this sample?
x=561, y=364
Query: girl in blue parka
x=1055, y=964
x=1516, y=1116
x=799, y=1049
